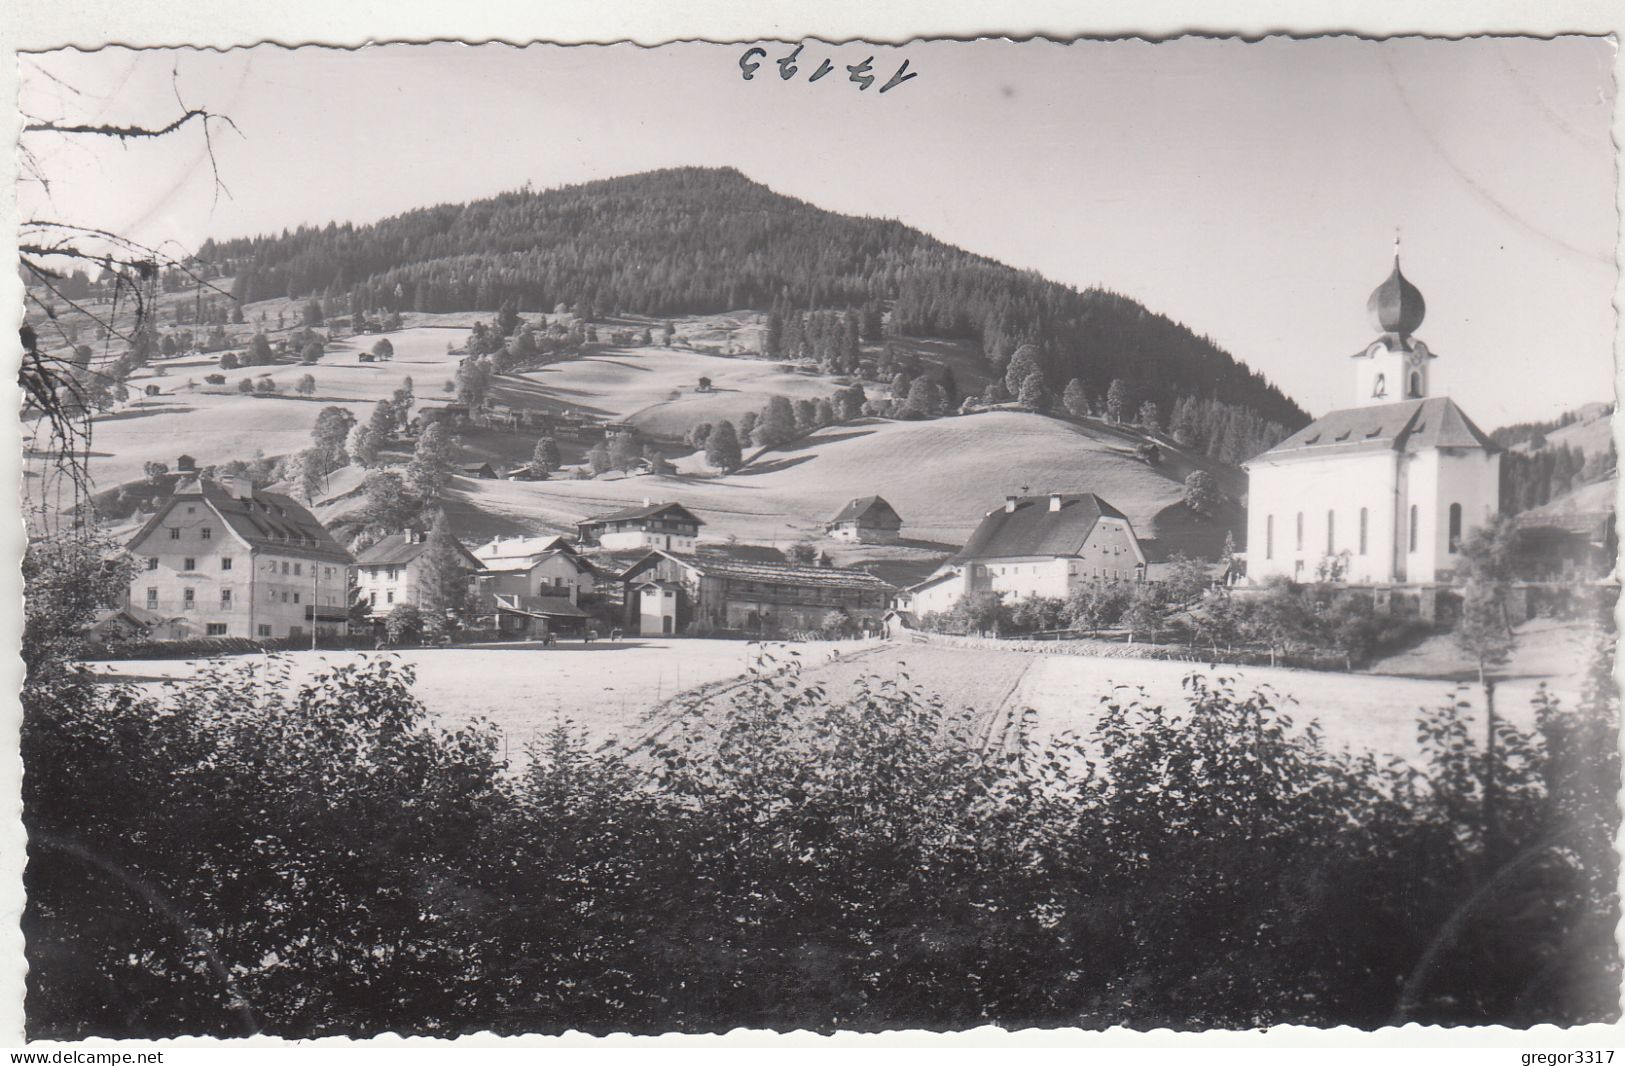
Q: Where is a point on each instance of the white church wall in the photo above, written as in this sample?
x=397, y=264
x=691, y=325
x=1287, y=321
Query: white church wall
x=1340, y=485
x=1471, y=479
x=1422, y=551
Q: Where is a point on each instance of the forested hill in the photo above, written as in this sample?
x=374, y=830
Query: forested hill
x=698, y=240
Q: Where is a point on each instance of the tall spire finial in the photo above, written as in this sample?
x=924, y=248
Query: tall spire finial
x=1396, y=244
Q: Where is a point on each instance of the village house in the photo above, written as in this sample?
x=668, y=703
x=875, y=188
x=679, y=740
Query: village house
x=223, y=559
x=666, y=526
x=1572, y=538
x=127, y=622
x=666, y=593
x=1035, y=546
x=390, y=572
x=534, y=566
x=1385, y=491
x=866, y=520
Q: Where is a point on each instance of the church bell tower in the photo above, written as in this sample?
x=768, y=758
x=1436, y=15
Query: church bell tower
x=1394, y=367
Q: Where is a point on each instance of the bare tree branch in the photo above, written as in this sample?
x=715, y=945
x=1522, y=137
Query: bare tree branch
x=121, y=132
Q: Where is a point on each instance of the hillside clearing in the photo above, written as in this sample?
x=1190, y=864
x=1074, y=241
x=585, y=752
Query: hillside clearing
x=941, y=475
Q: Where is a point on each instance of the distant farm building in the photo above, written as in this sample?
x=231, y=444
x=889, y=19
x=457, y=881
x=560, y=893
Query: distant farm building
x=866, y=520
x=482, y=471
x=1574, y=537
x=668, y=593
x=1036, y=546
x=125, y=623
x=529, y=472
x=666, y=526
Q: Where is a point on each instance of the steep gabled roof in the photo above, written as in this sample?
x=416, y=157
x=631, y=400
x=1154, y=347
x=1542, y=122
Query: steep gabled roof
x=501, y=548
x=648, y=510
x=267, y=521
x=870, y=510
x=522, y=553
x=398, y=550
x=1032, y=528
x=1408, y=426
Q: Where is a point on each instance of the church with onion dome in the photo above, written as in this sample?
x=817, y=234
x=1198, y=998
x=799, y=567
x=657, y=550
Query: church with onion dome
x=1381, y=492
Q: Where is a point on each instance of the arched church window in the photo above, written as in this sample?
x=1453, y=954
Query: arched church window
x=1331, y=532
x=1300, y=531
x=1379, y=387
x=1269, y=536
x=1362, y=530
x=1455, y=528
x=1416, y=385
x=1413, y=528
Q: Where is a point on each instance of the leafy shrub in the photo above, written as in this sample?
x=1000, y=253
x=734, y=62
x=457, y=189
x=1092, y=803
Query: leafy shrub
x=241, y=853
x=404, y=624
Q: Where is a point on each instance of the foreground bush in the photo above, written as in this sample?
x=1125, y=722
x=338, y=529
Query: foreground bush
x=232, y=856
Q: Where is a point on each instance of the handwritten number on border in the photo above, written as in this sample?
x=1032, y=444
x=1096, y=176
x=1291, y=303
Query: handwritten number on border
x=859, y=74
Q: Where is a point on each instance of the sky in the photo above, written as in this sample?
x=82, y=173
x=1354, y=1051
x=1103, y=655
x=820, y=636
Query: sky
x=1252, y=191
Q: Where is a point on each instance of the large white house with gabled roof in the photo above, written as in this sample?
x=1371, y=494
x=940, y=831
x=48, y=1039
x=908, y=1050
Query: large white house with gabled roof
x=224, y=559
x=1035, y=546
x=1383, y=492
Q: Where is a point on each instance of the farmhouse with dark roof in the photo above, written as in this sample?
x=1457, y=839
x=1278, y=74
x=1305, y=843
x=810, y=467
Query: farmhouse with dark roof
x=866, y=520
x=667, y=593
x=667, y=526
x=391, y=571
x=1036, y=546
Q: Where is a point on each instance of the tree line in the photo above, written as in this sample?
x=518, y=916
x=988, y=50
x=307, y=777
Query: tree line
x=1534, y=478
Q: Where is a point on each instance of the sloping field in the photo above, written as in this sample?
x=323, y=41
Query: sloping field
x=942, y=476
x=625, y=692
x=1590, y=433
x=215, y=425
x=657, y=389
x=1360, y=712
x=605, y=688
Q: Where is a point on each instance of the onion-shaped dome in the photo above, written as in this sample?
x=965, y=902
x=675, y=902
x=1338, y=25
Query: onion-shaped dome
x=1396, y=305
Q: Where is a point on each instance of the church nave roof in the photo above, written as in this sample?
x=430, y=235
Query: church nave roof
x=1409, y=426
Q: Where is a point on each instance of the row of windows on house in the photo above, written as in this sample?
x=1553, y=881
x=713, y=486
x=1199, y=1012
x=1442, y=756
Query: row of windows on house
x=207, y=533
x=1413, y=526
x=219, y=629
x=189, y=598
x=188, y=564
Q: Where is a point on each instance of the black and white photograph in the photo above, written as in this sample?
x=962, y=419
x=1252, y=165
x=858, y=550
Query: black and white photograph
x=818, y=535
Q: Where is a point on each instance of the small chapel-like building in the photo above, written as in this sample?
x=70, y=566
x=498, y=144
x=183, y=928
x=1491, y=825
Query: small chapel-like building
x=1381, y=493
